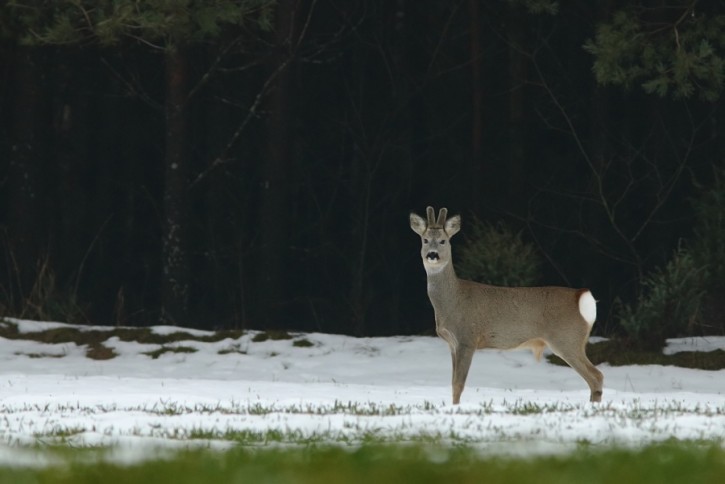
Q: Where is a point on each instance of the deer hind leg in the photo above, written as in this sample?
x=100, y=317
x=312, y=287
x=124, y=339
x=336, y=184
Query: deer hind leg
x=578, y=360
x=462, y=357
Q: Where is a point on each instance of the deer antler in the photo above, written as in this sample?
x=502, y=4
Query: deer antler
x=442, y=217
x=431, y=216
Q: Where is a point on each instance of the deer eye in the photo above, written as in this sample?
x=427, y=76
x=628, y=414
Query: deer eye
x=442, y=242
x=425, y=241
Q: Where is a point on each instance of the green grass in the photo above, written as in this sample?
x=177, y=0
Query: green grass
x=358, y=431
x=381, y=464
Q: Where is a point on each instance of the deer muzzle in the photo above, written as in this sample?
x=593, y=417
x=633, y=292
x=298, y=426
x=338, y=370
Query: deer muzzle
x=432, y=256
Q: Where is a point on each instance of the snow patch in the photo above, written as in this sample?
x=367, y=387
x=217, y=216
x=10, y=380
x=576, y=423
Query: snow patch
x=704, y=343
x=343, y=388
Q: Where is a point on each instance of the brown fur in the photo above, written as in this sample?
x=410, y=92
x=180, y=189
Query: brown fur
x=472, y=316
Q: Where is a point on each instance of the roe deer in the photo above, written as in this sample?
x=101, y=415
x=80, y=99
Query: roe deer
x=471, y=316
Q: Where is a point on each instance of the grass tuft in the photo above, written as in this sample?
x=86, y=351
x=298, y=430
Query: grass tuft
x=274, y=335
x=235, y=348
x=99, y=352
x=91, y=337
x=303, y=343
x=170, y=349
x=40, y=355
x=616, y=353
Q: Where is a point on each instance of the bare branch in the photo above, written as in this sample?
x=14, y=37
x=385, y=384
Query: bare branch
x=213, y=68
x=132, y=86
x=223, y=158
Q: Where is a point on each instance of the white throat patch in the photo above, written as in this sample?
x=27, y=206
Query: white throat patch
x=434, y=267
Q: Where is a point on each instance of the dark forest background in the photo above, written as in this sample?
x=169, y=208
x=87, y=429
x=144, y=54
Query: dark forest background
x=252, y=164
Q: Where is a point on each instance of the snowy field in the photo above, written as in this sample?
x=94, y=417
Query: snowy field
x=339, y=390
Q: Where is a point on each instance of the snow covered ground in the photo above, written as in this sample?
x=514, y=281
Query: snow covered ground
x=340, y=390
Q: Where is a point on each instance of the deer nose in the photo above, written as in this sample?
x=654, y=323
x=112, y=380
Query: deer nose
x=432, y=255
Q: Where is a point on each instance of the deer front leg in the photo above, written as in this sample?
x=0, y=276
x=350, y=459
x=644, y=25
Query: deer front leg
x=462, y=357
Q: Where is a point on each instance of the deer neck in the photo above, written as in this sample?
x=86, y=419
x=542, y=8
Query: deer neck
x=443, y=287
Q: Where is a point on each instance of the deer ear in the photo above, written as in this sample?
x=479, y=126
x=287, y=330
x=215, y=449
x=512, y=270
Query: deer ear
x=453, y=225
x=417, y=223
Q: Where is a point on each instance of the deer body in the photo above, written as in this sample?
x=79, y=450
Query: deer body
x=471, y=316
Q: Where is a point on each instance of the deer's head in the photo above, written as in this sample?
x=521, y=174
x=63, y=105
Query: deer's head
x=435, y=235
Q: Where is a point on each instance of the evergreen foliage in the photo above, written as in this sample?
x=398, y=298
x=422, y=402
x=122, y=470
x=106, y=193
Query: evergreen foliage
x=670, y=303
x=495, y=254
x=536, y=7
x=674, y=296
x=150, y=21
x=346, y=110
x=680, y=57
x=708, y=246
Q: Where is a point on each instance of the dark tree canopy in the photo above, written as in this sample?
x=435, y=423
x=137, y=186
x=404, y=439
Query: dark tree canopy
x=252, y=163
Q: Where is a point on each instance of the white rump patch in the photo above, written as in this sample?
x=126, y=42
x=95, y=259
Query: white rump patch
x=588, y=307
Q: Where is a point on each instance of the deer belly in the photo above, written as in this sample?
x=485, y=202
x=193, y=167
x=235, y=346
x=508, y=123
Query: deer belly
x=536, y=345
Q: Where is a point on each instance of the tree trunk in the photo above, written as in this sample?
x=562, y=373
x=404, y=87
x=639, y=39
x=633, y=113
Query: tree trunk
x=477, y=168
x=175, y=270
x=360, y=182
x=274, y=210
x=600, y=143
x=73, y=217
x=600, y=105
x=517, y=98
x=27, y=231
